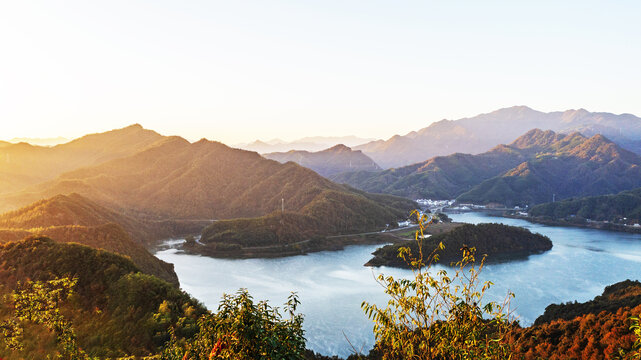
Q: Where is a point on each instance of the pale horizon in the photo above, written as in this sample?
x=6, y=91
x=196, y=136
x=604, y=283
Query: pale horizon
x=238, y=72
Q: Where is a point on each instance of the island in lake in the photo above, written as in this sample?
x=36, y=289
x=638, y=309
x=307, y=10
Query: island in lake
x=499, y=242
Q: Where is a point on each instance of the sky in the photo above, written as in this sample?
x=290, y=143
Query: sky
x=236, y=71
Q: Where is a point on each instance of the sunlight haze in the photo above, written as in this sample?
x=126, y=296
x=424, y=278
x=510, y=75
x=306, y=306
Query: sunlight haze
x=236, y=71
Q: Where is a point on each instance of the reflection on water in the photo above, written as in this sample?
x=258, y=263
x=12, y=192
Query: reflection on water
x=332, y=285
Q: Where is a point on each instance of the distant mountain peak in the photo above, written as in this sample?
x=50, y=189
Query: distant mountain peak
x=339, y=148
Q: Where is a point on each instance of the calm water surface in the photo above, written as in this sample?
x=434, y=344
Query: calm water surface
x=332, y=285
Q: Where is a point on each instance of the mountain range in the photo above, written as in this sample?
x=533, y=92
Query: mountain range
x=532, y=169
x=481, y=133
x=332, y=161
x=310, y=143
x=23, y=164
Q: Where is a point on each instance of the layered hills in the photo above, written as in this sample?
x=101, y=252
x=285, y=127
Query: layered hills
x=176, y=179
x=310, y=143
x=76, y=219
x=22, y=164
x=532, y=169
x=335, y=160
x=480, y=133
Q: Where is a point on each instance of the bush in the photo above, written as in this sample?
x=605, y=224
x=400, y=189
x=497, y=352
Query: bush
x=243, y=330
x=439, y=316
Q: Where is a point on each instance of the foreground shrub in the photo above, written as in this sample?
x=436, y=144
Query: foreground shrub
x=439, y=315
x=243, y=330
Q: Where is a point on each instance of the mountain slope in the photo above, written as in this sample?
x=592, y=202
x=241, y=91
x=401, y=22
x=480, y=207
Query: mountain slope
x=571, y=166
x=529, y=170
x=337, y=159
x=612, y=208
x=208, y=180
x=76, y=219
x=481, y=133
x=442, y=177
x=23, y=164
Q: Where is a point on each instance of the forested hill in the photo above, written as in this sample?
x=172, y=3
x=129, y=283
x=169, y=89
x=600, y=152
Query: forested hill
x=529, y=170
x=572, y=165
x=76, y=219
x=335, y=160
x=613, y=208
x=115, y=311
x=208, y=180
x=23, y=164
x=442, y=177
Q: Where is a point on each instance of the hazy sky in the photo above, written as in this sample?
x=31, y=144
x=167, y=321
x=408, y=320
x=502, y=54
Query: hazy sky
x=239, y=70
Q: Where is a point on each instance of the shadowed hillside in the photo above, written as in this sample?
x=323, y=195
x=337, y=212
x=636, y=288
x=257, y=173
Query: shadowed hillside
x=527, y=171
x=76, y=219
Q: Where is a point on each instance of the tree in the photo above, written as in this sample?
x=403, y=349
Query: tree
x=438, y=315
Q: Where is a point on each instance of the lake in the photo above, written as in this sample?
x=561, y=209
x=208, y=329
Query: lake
x=332, y=285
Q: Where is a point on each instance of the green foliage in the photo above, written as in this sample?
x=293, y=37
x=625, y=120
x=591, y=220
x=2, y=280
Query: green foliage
x=636, y=327
x=611, y=208
x=439, y=315
x=329, y=213
x=38, y=302
x=244, y=330
x=115, y=308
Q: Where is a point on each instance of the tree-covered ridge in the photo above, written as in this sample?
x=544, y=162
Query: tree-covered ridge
x=612, y=208
x=76, y=219
x=530, y=170
x=116, y=310
x=442, y=177
x=203, y=180
x=329, y=213
x=335, y=160
x=572, y=166
x=499, y=242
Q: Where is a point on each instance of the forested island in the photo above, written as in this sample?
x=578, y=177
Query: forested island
x=499, y=242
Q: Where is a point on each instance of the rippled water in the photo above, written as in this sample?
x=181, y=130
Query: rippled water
x=332, y=285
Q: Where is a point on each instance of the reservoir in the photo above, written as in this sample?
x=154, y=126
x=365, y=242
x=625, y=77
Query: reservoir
x=332, y=285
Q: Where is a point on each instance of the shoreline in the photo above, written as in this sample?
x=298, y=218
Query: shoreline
x=596, y=225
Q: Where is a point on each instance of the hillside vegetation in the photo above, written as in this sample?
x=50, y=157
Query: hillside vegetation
x=612, y=208
x=116, y=310
x=335, y=160
x=530, y=170
x=499, y=242
x=597, y=329
x=76, y=219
